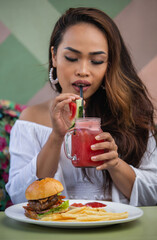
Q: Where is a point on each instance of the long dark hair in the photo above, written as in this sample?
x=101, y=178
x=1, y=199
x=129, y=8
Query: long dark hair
x=123, y=105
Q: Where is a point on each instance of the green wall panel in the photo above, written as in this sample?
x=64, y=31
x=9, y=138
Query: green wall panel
x=21, y=74
x=111, y=7
x=24, y=53
x=31, y=21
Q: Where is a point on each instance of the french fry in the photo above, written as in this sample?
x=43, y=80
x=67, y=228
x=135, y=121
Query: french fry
x=85, y=214
x=68, y=216
x=52, y=217
x=92, y=218
x=77, y=210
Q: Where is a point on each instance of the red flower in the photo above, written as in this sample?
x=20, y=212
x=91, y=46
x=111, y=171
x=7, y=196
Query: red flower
x=19, y=107
x=4, y=165
x=3, y=143
x=9, y=203
x=5, y=177
x=8, y=128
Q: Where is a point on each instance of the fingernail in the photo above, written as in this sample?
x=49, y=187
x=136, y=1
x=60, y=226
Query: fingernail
x=97, y=137
x=92, y=146
x=93, y=158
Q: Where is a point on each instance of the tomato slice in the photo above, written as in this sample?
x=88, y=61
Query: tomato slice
x=73, y=109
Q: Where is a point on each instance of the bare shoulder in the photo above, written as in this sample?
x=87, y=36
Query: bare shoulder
x=38, y=114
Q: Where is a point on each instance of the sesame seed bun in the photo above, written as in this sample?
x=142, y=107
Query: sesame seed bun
x=43, y=188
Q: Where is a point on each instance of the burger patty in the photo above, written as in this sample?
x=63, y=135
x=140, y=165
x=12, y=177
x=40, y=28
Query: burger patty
x=42, y=204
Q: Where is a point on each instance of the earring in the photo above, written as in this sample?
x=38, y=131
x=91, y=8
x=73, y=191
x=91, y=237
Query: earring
x=53, y=81
x=103, y=87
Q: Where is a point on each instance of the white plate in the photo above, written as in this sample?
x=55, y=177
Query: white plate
x=17, y=212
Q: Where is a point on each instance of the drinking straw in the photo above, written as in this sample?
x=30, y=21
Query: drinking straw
x=81, y=90
x=81, y=95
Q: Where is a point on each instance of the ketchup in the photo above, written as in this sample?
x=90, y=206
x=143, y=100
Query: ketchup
x=77, y=205
x=95, y=204
x=90, y=204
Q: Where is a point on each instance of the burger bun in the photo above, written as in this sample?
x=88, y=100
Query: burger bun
x=43, y=188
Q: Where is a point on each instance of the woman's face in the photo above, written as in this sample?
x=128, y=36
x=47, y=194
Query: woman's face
x=81, y=58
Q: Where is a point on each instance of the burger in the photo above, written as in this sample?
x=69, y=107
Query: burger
x=44, y=197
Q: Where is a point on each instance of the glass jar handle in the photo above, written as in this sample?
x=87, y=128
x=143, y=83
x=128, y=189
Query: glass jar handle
x=67, y=142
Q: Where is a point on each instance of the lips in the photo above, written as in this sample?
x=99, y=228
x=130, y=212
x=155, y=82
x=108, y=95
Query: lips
x=84, y=83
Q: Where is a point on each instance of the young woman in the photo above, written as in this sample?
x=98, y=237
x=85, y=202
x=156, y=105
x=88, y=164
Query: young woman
x=86, y=47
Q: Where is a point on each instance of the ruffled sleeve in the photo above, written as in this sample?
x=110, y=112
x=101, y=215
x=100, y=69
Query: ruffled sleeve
x=144, y=191
x=26, y=141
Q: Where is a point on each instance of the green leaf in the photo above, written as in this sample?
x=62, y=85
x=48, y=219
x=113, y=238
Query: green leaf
x=61, y=207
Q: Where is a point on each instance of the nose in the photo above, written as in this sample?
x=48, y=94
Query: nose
x=82, y=69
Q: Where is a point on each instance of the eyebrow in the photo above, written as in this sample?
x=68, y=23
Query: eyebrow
x=91, y=53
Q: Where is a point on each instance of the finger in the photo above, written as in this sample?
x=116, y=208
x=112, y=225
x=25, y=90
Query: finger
x=108, y=164
x=104, y=145
x=61, y=97
x=105, y=156
x=60, y=106
x=104, y=136
x=57, y=101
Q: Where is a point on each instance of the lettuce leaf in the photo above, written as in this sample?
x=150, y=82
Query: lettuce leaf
x=64, y=205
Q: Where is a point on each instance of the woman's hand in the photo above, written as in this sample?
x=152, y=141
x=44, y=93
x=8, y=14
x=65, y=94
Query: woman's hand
x=110, y=156
x=60, y=113
x=121, y=173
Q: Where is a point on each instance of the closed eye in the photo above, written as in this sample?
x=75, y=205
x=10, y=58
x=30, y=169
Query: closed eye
x=71, y=59
x=97, y=62
x=76, y=59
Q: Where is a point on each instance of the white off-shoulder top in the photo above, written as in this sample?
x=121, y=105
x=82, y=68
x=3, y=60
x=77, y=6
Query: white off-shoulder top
x=27, y=140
